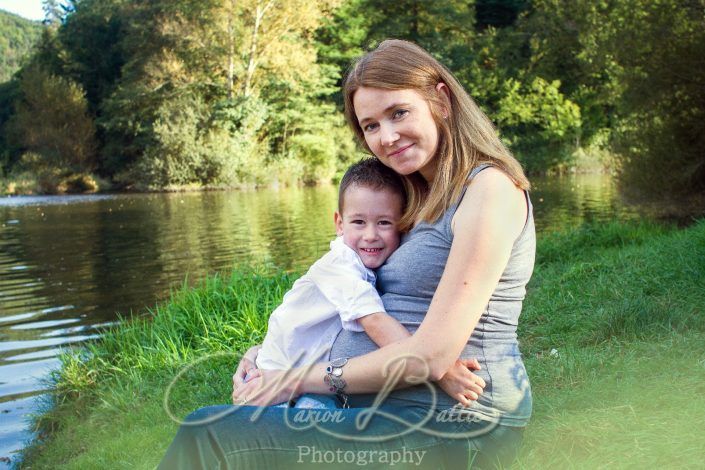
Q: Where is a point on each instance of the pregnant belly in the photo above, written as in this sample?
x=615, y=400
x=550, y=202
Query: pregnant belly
x=351, y=344
x=507, y=389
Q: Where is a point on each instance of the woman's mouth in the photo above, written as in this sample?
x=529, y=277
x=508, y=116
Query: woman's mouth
x=400, y=151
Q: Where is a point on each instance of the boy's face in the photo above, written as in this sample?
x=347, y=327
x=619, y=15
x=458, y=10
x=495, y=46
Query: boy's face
x=368, y=223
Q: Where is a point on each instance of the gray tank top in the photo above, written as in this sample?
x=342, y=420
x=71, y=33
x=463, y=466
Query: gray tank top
x=407, y=283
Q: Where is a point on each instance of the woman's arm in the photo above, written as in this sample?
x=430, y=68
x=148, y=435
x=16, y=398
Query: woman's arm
x=458, y=382
x=489, y=219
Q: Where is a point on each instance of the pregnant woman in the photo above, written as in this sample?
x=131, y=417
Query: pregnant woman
x=457, y=283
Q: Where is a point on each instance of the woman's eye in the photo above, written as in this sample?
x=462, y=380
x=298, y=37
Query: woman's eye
x=399, y=113
x=370, y=127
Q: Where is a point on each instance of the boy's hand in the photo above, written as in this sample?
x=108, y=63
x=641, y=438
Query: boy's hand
x=461, y=384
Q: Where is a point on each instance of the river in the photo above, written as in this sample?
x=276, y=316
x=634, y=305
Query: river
x=68, y=264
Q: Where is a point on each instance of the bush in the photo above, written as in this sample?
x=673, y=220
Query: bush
x=52, y=122
x=18, y=183
x=81, y=183
x=539, y=123
x=234, y=152
x=55, y=182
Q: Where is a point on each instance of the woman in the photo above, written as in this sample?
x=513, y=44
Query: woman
x=457, y=282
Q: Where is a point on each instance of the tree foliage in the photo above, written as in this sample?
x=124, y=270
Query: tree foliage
x=51, y=121
x=541, y=124
x=17, y=36
x=660, y=50
x=637, y=70
x=232, y=92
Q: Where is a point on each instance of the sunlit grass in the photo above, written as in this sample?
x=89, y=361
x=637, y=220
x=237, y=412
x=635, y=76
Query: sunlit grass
x=639, y=407
x=624, y=308
x=622, y=305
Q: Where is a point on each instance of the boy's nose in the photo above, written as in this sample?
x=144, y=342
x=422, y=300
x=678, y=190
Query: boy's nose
x=370, y=233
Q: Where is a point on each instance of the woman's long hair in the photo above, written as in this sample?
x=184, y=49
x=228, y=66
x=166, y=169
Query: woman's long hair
x=466, y=138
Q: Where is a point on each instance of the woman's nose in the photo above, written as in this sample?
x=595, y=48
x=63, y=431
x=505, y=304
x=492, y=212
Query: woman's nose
x=389, y=135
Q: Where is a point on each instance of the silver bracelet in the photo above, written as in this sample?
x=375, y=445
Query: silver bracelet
x=334, y=379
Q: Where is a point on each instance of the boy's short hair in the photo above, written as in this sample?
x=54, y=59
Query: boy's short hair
x=373, y=174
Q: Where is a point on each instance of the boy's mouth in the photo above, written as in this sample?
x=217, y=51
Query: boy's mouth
x=371, y=250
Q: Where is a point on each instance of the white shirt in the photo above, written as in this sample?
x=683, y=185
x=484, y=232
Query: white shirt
x=336, y=291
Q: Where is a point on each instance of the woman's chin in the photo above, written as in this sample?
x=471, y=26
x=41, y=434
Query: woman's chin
x=404, y=169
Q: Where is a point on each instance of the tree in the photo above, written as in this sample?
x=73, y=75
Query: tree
x=661, y=53
x=636, y=67
x=91, y=40
x=498, y=13
x=443, y=28
x=17, y=38
x=52, y=121
x=54, y=13
x=278, y=39
x=539, y=123
x=341, y=38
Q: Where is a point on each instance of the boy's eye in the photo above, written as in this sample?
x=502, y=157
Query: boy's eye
x=385, y=222
x=357, y=221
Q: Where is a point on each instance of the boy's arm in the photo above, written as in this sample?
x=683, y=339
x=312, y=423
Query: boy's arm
x=383, y=329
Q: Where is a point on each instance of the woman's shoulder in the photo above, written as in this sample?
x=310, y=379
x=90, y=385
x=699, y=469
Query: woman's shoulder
x=492, y=177
x=492, y=195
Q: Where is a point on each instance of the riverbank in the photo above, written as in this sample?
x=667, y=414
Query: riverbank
x=52, y=183
x=612, y=333
x=27, y=183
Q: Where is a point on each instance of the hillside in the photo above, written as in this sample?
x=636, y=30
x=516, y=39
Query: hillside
x=17, y=35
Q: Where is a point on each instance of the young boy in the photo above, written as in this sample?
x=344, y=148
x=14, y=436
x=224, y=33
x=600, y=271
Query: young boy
x=338, y=291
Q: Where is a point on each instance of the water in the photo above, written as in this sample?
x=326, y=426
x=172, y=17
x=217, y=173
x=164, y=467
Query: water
x=68, y=264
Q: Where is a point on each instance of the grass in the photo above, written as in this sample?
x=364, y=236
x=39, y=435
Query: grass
x=622, y=305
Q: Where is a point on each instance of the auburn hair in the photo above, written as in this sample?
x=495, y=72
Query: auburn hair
x=466, y=138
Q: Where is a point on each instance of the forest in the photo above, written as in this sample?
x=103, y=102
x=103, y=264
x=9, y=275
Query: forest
x=185, y=94
x=17, y=37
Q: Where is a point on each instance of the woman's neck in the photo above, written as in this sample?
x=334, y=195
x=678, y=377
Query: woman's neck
x=428, y=172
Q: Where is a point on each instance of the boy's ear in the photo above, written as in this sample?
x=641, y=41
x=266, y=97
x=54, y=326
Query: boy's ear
x=338, y=223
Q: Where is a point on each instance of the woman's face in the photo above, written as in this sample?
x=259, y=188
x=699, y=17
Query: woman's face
x=398, y=128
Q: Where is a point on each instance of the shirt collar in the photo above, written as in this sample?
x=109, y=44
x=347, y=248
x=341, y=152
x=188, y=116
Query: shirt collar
x=339, y=247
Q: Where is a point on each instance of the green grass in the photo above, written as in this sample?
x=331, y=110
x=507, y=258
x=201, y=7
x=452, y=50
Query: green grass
x=623, y=305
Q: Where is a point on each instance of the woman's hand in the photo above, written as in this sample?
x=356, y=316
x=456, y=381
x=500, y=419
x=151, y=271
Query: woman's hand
x=247, y=363
x=265, y=387
x=461, y=384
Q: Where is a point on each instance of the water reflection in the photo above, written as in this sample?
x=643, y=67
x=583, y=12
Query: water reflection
x=68, y=264
x=570, y=200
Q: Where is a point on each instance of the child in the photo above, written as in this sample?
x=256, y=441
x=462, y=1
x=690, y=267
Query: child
x=338, y=291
